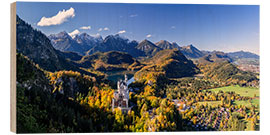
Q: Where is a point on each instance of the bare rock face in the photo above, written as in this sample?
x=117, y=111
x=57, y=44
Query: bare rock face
x=79, y=43
x=117, y=43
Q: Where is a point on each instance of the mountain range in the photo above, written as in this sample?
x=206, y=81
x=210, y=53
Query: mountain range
x=215, y=56
x=242, y=54
x=63, y=52
x=117, y=43
x=79, y=43
x=84, y=44
x=111, y=54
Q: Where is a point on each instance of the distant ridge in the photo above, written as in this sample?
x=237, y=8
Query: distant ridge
x=149, y=48
x=191, y=52
x=116, y=43
x=242, y=54
x=85, y=44
x=216, y=57
x=167, y=45
x=79, y=44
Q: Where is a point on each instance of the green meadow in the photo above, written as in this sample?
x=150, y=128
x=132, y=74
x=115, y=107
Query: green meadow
x=243, y=91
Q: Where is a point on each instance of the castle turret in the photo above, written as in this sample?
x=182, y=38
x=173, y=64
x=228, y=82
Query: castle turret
x=121, y=96
x=126, y=78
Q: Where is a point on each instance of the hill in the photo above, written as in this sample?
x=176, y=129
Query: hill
x=216, y=57
x=109, y=61
x=45, y=101
x=71, y=56
x=227, y=73
x=170, y=62
x=30, y=76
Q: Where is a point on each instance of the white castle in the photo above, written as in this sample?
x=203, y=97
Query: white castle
x=121, y=96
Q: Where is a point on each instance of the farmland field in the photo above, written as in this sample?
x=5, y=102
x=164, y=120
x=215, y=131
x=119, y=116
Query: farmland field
x=243, y=91
x=247, y=103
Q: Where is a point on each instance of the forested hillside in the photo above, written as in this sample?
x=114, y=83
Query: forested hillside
x=171, y=63
x=36, y=46
x=227, y=73
x=109, y=61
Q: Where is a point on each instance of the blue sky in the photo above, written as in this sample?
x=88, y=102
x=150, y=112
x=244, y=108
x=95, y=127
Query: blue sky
x=208, y=27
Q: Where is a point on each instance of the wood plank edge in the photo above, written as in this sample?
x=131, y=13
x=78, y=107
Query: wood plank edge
x=13, y=119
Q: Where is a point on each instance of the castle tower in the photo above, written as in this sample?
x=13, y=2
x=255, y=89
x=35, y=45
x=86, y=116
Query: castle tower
x=121, y=96
x=126, y=78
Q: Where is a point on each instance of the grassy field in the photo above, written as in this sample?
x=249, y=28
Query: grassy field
x=243, y=91
x=247, y=103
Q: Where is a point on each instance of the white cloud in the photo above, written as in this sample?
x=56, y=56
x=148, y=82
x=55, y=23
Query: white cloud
x=173, y=27
x=85, y=27
x=134, y=15
x=100, y=29
x=106, y=29
x=121, y=32
x=95, y=35
x=149, y=35
x=74, y=33
x=103, y=29
x=61, y=17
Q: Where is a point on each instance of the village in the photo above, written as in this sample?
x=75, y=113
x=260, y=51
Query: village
x=209, y=118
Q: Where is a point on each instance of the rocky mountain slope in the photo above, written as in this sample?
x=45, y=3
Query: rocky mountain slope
x=191, y=52
x=79, y=44
x=149, y=48
x=116, y=43
x=167, y=45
